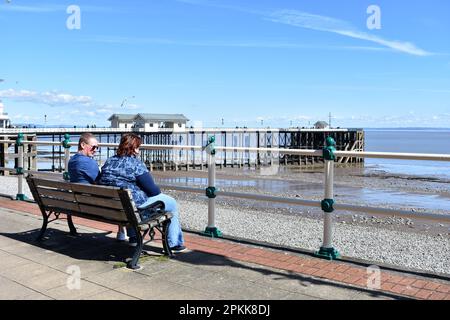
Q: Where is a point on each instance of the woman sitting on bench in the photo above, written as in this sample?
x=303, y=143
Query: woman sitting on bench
x=125, y=170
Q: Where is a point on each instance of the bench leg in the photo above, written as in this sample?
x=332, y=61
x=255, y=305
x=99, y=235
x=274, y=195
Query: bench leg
x=133, y=264
x=44, y=227
x=73, y=230
x=165, y=240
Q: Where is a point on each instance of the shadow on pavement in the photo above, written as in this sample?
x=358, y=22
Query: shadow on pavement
x=201, y=258
x=97, y=247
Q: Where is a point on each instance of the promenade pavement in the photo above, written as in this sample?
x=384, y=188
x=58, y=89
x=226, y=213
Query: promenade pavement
x=90, y=266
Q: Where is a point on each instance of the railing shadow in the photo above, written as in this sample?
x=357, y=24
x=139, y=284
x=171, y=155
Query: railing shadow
x=97, y=246
x=199, y=258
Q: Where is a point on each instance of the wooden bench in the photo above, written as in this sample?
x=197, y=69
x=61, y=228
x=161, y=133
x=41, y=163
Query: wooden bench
x=101, y=203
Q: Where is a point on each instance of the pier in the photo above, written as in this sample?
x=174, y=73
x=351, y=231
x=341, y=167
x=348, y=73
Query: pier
x=165, y=159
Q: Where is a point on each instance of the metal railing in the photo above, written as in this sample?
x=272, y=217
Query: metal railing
x=7, y=131
x=328, y=205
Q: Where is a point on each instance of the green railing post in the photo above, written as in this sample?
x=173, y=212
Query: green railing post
x=19, y=169
x=326, y=250
x=211, y=230
x=66, y=145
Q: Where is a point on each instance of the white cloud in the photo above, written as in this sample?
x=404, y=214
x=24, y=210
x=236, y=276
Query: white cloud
x=328, y=24
x=51, y=98
x=320, y=23
x=69, y=107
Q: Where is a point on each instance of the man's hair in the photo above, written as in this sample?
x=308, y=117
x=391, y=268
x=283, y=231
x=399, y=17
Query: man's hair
x=128, y=143
x=85, y=137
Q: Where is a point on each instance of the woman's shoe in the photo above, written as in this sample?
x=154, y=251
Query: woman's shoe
x=178, y=249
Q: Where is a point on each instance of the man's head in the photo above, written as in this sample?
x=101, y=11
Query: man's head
x=87, y=144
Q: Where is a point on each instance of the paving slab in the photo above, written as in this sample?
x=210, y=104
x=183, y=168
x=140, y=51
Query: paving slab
x=84, y=291
x=11, y=290
x=149, y=288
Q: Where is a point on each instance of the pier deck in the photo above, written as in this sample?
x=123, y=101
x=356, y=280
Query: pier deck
x=292, y=138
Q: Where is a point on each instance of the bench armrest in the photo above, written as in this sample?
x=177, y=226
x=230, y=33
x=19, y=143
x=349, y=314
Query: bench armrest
x=150, y=211
x=157, y=205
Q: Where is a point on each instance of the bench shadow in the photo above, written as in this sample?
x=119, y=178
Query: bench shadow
x=84, y=246
x=207, y=259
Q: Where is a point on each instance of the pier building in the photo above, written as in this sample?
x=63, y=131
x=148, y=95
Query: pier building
x=4, y=118
x=149, y=121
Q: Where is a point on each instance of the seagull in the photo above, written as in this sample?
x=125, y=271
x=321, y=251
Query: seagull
x=125, y=100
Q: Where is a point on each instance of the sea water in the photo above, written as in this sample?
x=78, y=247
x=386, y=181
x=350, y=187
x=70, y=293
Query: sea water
x=433, y=141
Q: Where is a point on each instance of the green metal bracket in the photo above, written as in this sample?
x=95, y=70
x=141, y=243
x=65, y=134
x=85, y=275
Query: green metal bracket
x=66, y=176
x=329, y=150
x=66, y=141
x=212, y=232
x=19, y=171
x=211, y=192
x=19, y=141
x=21, y=197
x=328, y=253
x=211, y=146
x=327, y=205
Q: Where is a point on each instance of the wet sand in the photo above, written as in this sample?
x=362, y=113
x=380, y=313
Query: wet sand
x=352, y=186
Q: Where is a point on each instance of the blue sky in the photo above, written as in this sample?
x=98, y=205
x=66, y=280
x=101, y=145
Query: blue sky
x=250, y=63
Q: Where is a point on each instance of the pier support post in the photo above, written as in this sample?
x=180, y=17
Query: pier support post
x=327, y=251
x=66, y=144
x=19, y=170
x=211, y=230
x=3, y=155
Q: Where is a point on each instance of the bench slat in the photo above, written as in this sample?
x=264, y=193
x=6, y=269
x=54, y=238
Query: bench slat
x=64, y=195
x=94, y=190
x=116, y=215
x=96, y=201
x=60, y=184
x=105, y=191
x=68, y=205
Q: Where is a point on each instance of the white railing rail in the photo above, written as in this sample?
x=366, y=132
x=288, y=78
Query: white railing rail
x=302, y=152
x=328, y=205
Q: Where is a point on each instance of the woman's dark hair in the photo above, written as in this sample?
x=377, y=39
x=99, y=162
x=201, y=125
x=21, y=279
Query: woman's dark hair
x=128, y=143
